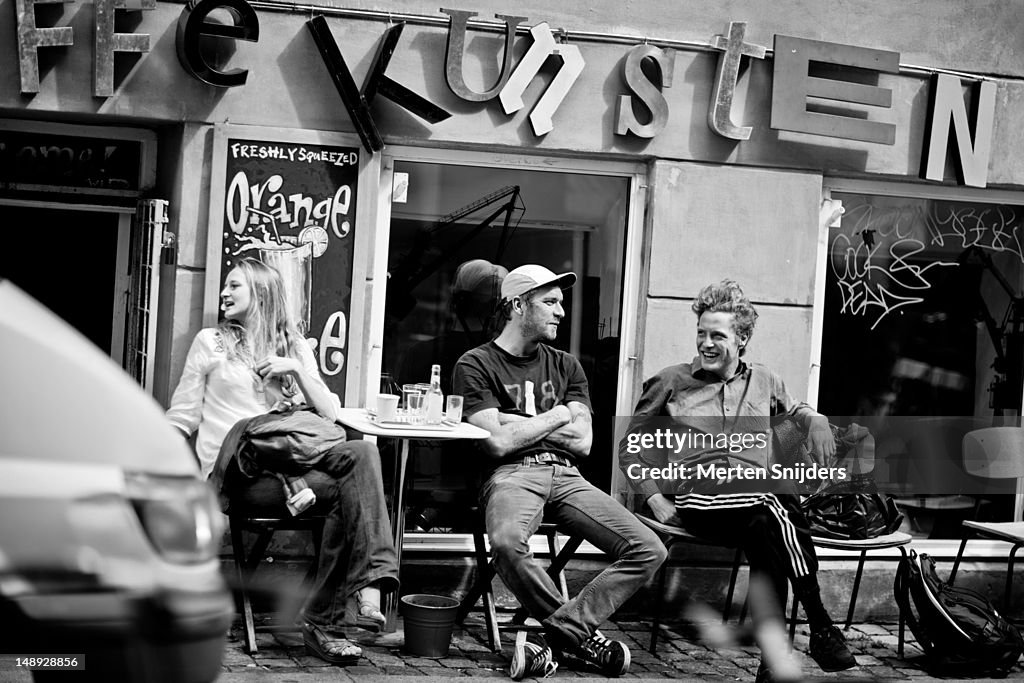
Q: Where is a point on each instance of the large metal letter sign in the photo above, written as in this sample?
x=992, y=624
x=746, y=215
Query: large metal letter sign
x=31, y=38
x=648, y=92
x=192, y=26
x=511, y=95
x=947, y=102
x=720, y=113
x=544, y=110
x=792, y=86
x=357, y=102
x=378, y=82
x=108, y=42
x=457, y=47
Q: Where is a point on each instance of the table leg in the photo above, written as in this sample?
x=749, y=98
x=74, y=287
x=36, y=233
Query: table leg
x=397, y=527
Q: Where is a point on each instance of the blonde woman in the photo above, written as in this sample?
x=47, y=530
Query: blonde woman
x=254, y=359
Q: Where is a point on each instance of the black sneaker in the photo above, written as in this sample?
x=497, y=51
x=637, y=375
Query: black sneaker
x=610, y=656
x=828, y=649
x=764, y=674
x=531, y=659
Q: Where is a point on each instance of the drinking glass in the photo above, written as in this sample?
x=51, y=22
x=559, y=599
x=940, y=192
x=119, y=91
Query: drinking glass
x=415, y=408
x=296, y=267
x=453, y=408
x=408, y=390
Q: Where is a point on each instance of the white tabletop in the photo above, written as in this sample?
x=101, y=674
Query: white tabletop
x=359, y=419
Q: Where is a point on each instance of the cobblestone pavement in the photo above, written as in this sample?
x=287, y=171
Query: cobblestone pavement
x=873, y=645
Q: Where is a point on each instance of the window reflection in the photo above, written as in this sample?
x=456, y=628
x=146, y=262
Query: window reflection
x=923, y=317
x=456, y=231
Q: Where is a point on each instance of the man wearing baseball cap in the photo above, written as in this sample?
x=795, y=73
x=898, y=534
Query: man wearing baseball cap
x=534, y=401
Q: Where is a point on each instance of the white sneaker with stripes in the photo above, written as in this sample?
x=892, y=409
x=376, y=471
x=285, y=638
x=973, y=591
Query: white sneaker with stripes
x=531, y=660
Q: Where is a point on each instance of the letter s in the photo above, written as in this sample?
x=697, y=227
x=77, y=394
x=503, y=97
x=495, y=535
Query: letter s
x=649, y=93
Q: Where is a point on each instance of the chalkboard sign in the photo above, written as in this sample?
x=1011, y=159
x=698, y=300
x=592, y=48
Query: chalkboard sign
x=292, y=205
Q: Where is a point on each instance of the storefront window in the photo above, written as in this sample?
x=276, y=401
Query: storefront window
x=923, y=320
x=445, y=215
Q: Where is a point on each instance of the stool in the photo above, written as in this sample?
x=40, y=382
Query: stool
x=559, y=556
x=246, y=563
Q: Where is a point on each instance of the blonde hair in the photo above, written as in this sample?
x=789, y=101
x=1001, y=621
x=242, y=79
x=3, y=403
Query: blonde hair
x=727, y=297
x=269, y=328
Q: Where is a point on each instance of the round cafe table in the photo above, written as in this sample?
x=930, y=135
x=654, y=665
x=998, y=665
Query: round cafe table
x=361, y=420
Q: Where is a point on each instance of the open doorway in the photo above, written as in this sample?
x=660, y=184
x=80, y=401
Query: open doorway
x=67, y=259
x=447, y=214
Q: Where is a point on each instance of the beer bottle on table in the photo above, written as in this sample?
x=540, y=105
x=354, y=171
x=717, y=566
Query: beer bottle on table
x=435, y=399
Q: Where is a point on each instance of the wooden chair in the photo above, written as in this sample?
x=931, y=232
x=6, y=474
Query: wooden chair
x=559, y=556
x=672, y=536
x=246, y=562
x=995, y=453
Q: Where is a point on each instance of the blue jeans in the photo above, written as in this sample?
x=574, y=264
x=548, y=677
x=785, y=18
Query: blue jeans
x=515, y=498
x=357, y=549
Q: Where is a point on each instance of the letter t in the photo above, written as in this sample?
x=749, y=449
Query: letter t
x=720, y=113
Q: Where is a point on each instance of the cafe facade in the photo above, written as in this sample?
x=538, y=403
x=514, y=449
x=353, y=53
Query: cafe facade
x=369, y=149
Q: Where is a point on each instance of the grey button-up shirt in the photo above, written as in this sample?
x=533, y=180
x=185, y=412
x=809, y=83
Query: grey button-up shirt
x=710, y=416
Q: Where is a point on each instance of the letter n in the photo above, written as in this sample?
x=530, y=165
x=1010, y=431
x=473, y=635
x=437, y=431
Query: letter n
x=511, y=96
x=946, y=102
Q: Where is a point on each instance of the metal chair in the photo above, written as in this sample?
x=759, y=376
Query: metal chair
x=559, y=556
x=995, y=453
x=672, y=536
x=896, y=539
x=246, y=563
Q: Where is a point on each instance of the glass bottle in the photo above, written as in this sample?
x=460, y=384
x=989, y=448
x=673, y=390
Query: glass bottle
x=435, y=399
x=388, y=385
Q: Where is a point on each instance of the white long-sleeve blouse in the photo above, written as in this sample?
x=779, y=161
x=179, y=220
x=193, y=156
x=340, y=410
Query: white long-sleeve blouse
x=214, y=393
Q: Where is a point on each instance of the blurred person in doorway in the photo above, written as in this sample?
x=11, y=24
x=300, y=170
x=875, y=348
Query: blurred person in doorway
x=473, y=308
x=534, y=401
x=252, y=361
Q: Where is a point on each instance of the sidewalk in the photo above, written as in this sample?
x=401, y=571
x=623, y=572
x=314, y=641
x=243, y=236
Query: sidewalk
x=281, y=657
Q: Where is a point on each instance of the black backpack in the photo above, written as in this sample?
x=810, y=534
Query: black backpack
x=959, y=630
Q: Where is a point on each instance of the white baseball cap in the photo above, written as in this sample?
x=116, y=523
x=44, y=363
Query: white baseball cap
x=524, y=278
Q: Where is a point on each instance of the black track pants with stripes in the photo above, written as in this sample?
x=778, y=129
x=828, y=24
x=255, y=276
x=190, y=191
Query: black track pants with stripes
x=770, y=529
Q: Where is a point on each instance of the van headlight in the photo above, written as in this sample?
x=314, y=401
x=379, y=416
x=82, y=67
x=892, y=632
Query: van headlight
x=180, y=515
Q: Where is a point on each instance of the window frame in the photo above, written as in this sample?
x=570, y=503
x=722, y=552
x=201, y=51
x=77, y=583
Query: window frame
x=941, y=549
x=886, y=189
x=634, y=172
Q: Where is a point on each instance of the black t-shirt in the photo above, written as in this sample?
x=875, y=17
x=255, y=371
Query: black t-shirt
x=490, y=377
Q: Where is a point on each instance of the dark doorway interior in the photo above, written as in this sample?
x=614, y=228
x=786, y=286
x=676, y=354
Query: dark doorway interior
x=65, y=259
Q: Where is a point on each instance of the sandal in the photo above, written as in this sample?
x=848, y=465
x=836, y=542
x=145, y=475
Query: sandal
x=369, y=616
x=329, y=648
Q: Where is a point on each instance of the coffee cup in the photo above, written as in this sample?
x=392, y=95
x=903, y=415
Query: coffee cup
x=387, y=408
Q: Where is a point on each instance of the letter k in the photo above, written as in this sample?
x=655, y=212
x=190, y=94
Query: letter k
x=357, y=101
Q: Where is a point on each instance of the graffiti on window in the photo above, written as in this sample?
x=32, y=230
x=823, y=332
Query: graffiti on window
x=885, y=257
